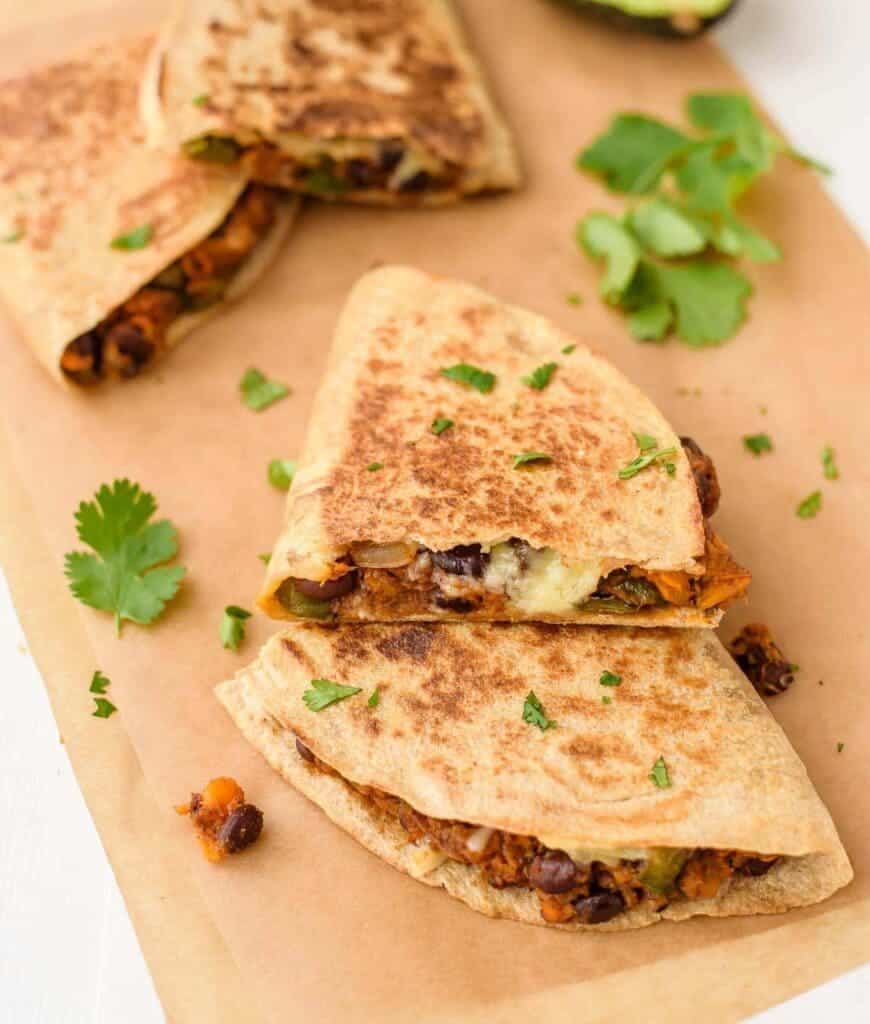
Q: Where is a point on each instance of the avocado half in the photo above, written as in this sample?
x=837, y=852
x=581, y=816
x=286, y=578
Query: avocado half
x=680, y=19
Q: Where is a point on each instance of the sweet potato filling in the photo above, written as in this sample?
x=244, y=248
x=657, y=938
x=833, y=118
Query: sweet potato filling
x=568, y=890
x=135, y=333
x=223, y=821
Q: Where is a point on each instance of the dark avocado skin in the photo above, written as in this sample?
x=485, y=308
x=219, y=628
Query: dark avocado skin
x=659, y=26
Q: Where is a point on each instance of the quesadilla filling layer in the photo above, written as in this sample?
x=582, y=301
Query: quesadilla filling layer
x=136, y=333
x=353, y=167
x=403, y=580
x=572, y=886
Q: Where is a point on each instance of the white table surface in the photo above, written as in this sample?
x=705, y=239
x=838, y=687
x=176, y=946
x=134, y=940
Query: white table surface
x=68, y=954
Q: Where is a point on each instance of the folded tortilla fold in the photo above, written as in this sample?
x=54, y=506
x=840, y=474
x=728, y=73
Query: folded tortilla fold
x=75, y=175
x=447, y=737
x=375, y=102
x=382, y=483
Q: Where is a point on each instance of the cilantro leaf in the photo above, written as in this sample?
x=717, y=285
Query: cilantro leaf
x=464, y=373
x=574, y=299
x=731, y=115
x=375, y=697
x=201, y=100
x=645, y=441
x=605, y=237
x=232, y=630
x=99, y=683
x=568, y=349
x=606, y=700
x=736, y=238
x=441, y=424
x=121, y=577
x=325, y=692
x=642, y=461
x=810, y=507
x=633, y=153
x=137, y=238
x=281, y=473
x=807, y=160
x=539, y=378
x=829, y=465
x=651, y=322
x=523, y=458
x=15, y=235
x=258, y=392
x=711, y=181
x=663, y=228
x=265, y=557
x=103, y=708
x=609, y=679
x=373, y=467
x=659, y=774
x=534, y=714
x=708, y=299
x=757, y=443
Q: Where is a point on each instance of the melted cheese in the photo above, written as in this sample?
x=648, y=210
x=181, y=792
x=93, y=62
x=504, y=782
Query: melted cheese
x=424, y=859
x=547, y=585
x=585, y=854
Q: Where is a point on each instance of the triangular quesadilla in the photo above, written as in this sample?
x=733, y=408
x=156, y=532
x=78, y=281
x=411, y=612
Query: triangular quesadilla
x=571, y=776
x=466, y=459
x=110, y=252
x=371, y=102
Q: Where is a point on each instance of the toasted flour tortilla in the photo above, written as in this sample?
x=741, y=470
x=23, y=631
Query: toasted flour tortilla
x=74, y=175
x=448, y=737
x=382, y=389
x=389, y=85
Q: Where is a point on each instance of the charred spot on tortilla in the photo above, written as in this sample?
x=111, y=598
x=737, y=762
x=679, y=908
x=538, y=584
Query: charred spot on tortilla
x=374, y=103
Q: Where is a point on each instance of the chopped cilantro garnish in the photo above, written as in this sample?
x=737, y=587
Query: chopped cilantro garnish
x=200, y=100
x=99, y=683
x=523, y=458
x=539, y=378
x=232, y=631
x=644, y=460
x=121, y=577
x=606, y=699
x=258, y=392
x=265, y=557
x=375, y=698
x=829, y=465
x=14, y=236
x=840, y=747
x=693, y=183
x=103, y=708
x=137, y=238
x=464, y=373
x=325, y=692
x=440, y=425
x=810, y=506
x=568, y=349
x=281, y=473
x=659, y=774
x=645, y=441
x=373, y=467
x=534, y=714
x=757, y=443
x=609, y=679
x=573, y=299
x=670, y=468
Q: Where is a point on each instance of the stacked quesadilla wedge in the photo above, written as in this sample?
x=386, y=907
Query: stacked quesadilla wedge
x=679, y=796
x=468, y=460
x=377, y=102
x=111, y=251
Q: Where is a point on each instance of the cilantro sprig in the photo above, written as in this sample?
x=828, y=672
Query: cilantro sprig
x=691, y=184
x=325, y=692
x=232, y=628
x=464, y=373
x=103, y=707
x=126, y=573
x=534, y=713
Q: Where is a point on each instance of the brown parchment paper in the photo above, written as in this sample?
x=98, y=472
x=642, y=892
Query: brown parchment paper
x=317, y=927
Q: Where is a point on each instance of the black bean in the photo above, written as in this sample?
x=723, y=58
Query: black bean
x=242, y=827
x=390, y=153
x=417, y=182
x=553, y=871
x=303, y=751
x=362, y=174
x=337, y=587
x=463, y=560
x=755, y=866
x=454, y=604
x=600, y=907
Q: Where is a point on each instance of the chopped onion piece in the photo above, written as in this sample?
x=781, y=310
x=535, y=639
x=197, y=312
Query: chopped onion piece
x=383, y=556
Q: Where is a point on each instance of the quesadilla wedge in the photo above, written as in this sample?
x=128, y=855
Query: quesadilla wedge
x=111, y=252
x=377, y=102
x=467, y=459
x=489, y=765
